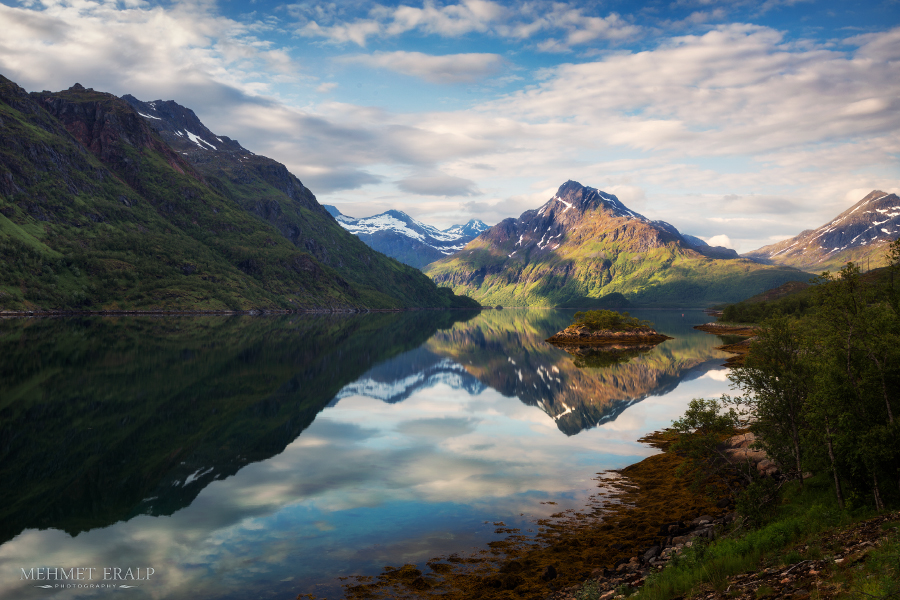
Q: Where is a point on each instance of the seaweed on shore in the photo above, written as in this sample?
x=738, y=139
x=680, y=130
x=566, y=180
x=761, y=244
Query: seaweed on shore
x=634, y=509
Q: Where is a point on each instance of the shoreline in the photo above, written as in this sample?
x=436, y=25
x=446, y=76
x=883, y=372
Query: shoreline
x=640, y=516
x=738, y=349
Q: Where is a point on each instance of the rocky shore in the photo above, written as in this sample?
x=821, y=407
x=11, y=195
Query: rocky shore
x=738, y=349
x=582, y=335
x=674, y=537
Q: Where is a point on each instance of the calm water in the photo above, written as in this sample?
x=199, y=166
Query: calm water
x=262, y=457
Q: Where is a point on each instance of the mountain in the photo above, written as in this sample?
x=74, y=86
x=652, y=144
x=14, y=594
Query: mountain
x=583, y=245
x=99, y=211
x=705, y=249
x=860, y=234
x=412, y=242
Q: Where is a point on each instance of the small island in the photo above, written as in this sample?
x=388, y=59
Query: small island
x=605, y=327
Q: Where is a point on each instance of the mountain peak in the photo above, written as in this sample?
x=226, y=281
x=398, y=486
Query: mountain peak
x=858, y=234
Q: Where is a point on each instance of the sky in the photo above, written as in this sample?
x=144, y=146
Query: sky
x=742, y=122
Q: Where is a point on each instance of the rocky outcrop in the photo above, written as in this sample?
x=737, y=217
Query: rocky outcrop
x=742, y=449
x=581, y=335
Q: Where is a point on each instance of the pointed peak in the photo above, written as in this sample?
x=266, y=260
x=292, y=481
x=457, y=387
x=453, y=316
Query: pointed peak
x=77, y=88
x=569, y=187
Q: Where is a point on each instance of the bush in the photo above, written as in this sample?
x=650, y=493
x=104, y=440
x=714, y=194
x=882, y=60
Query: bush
x=608, y=319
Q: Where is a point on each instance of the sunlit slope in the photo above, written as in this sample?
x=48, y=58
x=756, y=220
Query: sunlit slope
x=507, y=352
x=861, y=234
x=584, y=244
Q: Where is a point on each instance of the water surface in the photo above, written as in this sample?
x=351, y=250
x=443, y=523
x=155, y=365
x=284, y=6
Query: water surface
x=265, y=456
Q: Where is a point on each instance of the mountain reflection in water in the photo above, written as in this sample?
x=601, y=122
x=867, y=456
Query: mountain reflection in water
x=506, y=351
x=246, y=456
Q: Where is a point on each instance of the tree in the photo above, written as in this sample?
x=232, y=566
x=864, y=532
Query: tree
x=775, y=380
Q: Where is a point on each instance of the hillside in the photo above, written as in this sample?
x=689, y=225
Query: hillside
x=100, y=212
x=860, y=234
x=412, y=242
x=584, y=244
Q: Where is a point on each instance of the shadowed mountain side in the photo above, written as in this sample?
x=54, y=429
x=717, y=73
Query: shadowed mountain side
x=99, y=212
x=509, y=354
x=105, y=419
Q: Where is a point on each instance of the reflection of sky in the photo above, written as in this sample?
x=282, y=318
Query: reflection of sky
x=367, y=484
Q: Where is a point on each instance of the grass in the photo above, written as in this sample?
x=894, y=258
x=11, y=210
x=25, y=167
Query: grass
x=804, y=514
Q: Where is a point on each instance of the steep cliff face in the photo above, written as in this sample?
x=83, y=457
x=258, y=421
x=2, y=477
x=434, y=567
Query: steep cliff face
x=99, y=212
x=860, y=234
x=584, y=244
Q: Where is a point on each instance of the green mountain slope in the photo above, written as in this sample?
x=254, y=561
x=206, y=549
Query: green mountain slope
x=97, y=211
x=584, y=244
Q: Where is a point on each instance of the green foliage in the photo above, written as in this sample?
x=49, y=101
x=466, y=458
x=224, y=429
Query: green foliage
x=776, y=378
x=588, y=591
x=799, y=304
x=596, y=320
x=705, y=424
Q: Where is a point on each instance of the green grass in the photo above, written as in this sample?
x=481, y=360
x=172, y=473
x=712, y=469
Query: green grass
x=802, y=515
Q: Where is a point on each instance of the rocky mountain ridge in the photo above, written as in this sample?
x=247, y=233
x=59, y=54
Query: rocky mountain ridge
x=412, y=242
x=859, y=234
x=584, y=244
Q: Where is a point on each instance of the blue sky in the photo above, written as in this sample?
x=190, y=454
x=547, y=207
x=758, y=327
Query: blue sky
x=743, y=122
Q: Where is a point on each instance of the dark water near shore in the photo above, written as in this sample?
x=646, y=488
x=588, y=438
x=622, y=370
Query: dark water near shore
x=265, y=456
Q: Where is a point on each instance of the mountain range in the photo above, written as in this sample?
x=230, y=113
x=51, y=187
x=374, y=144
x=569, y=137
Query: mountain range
x=412, y=242
x=584, y=246
x=110, y=203
x=860, y=234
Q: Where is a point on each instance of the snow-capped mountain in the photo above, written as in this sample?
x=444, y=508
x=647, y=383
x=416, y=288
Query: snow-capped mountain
x=859, y=234
x=400, y=236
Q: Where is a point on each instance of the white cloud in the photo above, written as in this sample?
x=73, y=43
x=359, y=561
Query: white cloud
x=788, y=127
x=449, y=68
x=720, y=240
x=438, y=184
x=472, y=16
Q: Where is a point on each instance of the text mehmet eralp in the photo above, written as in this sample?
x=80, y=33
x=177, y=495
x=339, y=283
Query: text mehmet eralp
x=86, y=574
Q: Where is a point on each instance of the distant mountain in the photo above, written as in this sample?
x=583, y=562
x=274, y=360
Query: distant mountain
x=584, y=244
x=707, y=250
x=412, y=242
x=100, y=211
x=859, y=234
